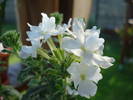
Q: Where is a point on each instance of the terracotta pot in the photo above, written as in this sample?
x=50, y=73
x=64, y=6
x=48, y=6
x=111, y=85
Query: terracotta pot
x=4, y=57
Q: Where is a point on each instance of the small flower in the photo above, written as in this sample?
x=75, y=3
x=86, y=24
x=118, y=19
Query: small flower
x=48, y=26
x=85, y=40
x=85, y=78
x=1, y=47
x=45, y=29
x=86, y=44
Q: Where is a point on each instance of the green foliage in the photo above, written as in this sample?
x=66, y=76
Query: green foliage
x=11, y=39
x=58, y=17
x=46, y=78
x=9, y=93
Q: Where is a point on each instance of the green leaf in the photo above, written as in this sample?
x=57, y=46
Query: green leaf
x=58, y=17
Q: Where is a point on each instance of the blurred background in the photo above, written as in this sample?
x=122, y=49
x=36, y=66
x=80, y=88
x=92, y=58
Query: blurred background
x=113, y=17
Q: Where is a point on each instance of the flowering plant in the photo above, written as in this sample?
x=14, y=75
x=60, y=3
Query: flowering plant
x=70, y=66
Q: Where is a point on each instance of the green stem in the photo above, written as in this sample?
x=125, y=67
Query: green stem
x=65, y=92
x=60, y=40
x=42, y=53
x=51, y=45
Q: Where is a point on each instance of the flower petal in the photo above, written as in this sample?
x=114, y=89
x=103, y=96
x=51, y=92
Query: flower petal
x=70, y=43
x=27, y=51
x=34, y=35
x=1, y=47
x=103, y=61
x=87, y=88
x=71, y=91
x=75, y=75
x=78, y=27
x=94, y=73
x=48, y=24
x=93, y=43
x=93, y=31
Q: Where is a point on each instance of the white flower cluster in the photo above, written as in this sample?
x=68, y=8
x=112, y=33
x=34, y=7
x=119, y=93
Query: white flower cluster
x=82, y=42
x=40, y=34
x=86, y=44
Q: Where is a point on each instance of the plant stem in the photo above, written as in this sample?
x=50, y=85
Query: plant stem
x=42, y=53
x=51, y=45
x=60, y=40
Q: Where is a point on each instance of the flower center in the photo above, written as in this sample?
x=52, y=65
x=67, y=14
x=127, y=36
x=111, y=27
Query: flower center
x=83, y=48
x=83, y=77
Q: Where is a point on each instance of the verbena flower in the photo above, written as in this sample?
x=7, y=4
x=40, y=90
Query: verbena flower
x=40, y=34
x=45, y=29
x=86, y=44
x=85, y=77
x=80, y=41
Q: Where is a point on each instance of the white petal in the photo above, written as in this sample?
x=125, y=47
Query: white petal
x=70, y=43
x=103, y=61
x=73, y=68
x=90, y=71
x=93, y=31
x=52, y=24
x=33, y=28
x=46, y=36
x=77, y=52
x=48, y=24
x=61, y=29
x=87, y=89
x=87, y=57
x=78, y=27
x=34, y=35
x=93, y=43
x=36, y=44
x=44, y=17
x=100, y=50
x=69, y=23
x=75, y=75
x=71, y=91
x=94, y=73
x=27, y=51
x=1, y=47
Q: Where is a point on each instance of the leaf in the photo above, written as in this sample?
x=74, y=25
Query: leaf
x=58, y=17
x=9, y=93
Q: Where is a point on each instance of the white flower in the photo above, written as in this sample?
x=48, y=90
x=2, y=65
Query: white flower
x=45, y=29
x=85, y=40
x=64, y=28
x=85, y=78
x=48, y=26
x=86, y=44
x=34, y=33
x=1, y=47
